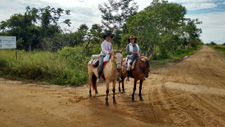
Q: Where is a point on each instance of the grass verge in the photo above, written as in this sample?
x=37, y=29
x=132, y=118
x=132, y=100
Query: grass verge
x=173, y=58
x=219, y=48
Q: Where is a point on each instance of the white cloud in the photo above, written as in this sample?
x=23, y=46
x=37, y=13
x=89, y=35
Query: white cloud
x=213, y=26
x=191, y=1
x=195, y=6
x=86, y=11
x=223, y=2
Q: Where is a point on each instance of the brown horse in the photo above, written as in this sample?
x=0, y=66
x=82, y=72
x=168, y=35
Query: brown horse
x=123, y=75
x=110, y=72
x=140, y=72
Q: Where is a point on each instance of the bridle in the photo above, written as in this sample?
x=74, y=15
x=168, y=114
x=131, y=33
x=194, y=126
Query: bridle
x=118, y=62
x=141, y=67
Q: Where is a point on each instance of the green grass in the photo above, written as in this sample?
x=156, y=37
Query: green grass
x=219, y=48
x=173, y=57
x=66, y=67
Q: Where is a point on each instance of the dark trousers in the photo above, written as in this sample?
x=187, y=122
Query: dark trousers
x=100, y=67
x=135, y=56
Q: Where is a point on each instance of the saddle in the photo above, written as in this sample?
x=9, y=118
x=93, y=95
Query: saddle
x=95, y=61
x=125, y=60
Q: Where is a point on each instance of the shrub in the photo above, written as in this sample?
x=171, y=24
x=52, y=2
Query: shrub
x=66, y=67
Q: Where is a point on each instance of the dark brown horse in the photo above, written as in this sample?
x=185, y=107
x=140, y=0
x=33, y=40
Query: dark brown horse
x=140, y=72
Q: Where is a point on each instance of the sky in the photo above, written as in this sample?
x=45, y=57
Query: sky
x=210, y=12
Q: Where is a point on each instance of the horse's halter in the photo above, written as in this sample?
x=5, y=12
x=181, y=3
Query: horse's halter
x=116, y=62
x=142, y=66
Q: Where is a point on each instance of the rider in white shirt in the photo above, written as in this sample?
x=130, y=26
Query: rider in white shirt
x=106, y=50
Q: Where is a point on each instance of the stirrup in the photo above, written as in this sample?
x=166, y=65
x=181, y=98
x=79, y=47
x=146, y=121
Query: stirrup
x=98, y=80
x=119, y=79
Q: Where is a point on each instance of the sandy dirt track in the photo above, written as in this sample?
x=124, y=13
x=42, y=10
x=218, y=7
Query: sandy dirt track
x=189, y=93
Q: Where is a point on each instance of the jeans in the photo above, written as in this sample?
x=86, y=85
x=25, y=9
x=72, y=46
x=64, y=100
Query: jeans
x=135, y=56
x=100, y=67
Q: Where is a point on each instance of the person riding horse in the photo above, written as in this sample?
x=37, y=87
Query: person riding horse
x=133, y=52
x=105, y=53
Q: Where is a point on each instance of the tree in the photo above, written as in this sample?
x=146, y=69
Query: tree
x=94, y=36
x=34, y=25
x=163, y=24
x=212, y=43
x=115, y=15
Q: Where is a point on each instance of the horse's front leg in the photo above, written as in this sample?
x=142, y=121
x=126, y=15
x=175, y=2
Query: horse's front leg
x=107, y=93
x=134, y=89
x=119, y=87
x=96, y=91
x=123, y=85
x=90, y=84
x=114, y=99
x=140, y=88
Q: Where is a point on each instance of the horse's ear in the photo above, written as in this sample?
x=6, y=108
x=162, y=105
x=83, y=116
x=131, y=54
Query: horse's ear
x=150, y=57
x=121, y=51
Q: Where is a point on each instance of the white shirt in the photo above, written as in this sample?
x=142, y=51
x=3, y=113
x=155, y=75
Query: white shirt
x=131, y=49
x=106, y=47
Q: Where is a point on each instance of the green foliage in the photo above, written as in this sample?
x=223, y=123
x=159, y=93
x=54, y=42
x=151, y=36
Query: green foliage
x=66, y=67
x=220, y=48
x=212, y=43
x=161, y=28
x=35, y=24
x=115, y=15
x=163, y=25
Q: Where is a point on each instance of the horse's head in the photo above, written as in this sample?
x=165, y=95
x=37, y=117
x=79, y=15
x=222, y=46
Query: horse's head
x=118, y=57
x=145, y=65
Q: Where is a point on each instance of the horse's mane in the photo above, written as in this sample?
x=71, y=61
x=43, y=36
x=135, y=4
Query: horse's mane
x=146, y=60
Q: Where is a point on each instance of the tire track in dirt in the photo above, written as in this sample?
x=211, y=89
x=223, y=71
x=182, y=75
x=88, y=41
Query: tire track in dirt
x=25, y=105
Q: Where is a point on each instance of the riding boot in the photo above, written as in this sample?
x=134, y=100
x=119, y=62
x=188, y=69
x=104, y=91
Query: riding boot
x=99, y=74
x=119, y=79
x=128, y=75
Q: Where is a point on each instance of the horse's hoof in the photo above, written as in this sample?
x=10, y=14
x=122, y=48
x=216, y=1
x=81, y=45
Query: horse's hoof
x=123, y=91
x=114, y=102
x=119, y=91
x=90, y=95
x=96, y=92
x=141, y=99
x=106, y=103
x=132, y=99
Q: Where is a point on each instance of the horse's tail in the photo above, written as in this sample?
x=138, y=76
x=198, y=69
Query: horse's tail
x=94, y=78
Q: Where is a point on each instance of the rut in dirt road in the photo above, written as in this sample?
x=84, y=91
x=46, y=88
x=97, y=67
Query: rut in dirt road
x=189, y=93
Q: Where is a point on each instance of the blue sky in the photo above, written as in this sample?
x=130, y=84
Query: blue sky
x=210, y=12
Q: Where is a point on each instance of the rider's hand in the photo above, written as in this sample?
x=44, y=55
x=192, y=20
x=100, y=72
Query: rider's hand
x=134, y=52
x=110, y=53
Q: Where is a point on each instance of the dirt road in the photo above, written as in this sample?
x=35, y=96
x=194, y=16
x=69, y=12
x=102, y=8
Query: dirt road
x=189, y=93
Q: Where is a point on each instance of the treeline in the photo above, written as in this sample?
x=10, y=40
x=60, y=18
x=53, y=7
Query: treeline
x=161, y=28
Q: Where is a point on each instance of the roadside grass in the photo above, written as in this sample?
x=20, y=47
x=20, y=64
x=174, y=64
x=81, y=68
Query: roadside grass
x=173, y=57
x=219, y=48
x=65, y=67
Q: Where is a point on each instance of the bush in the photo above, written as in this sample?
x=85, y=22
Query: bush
x=66, y=67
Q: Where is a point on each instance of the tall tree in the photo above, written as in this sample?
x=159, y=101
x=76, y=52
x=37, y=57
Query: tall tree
x=115, y=15
x=162, y=24
x=34, y=25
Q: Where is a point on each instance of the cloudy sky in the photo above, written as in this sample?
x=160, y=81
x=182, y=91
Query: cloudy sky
x=210, y=12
